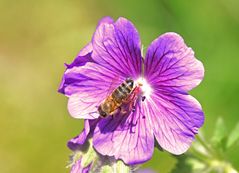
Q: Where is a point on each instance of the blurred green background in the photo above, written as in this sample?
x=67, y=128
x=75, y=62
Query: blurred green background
x=37, y=37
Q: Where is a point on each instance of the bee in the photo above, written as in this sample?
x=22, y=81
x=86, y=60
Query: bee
x=119, y=96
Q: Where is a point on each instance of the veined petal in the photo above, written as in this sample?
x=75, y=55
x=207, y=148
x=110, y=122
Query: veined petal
x=170, y=65
x=83, y=57
x=88, y=48
x=89, y=85
x=117, y=47
x=105, y=19
x=175, y=119
x=127, y=137
x=85, y=54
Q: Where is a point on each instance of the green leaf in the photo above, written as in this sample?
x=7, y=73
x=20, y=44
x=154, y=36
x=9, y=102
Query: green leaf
x=106, y=169
x=89, y=156
x=115, y=166
x=182, y=166
x=219, y=133
x=230, y=169
x=121, y=167
x=195, y=163
x=233, y=137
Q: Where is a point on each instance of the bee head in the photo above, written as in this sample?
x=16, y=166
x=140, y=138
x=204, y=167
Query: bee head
x=130, y=82
x=101, y=112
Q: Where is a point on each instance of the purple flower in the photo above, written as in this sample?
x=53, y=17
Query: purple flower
x=168, y=113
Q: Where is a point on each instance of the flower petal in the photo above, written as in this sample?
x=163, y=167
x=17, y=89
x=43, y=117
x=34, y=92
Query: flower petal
x=117, y=47
x=82, y=58
x=79, y=140
x=175, y=119
x=171, y=65
x=126, y=137
x=87, y=86
x=88, y=48
x=105, y=19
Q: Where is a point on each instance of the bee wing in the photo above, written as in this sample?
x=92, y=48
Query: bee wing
x=80, y=105
x=114, y=83
x=88, y=108
x=94, y=115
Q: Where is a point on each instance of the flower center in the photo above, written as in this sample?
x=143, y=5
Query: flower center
x=146, y=89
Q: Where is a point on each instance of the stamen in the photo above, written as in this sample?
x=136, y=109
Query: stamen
x=145, y=88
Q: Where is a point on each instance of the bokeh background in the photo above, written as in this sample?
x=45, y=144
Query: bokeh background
x=37, y=37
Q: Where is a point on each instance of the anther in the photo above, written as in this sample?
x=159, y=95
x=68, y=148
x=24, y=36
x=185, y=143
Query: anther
x=143, y=98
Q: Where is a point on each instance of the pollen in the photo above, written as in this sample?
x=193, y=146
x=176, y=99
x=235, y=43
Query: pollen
x=144, y=86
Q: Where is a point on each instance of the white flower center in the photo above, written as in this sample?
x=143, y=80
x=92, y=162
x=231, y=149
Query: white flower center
x=144, y=86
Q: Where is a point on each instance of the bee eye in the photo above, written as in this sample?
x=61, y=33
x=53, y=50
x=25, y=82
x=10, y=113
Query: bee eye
x=103, y=114
x=130, y=82
x=128, y=79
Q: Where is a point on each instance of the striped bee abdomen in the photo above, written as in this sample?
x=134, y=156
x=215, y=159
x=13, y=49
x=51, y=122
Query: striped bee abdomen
x=115, y=100
x=123, y=91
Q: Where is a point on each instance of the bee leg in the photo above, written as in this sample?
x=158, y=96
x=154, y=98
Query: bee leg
x=131, y=106
x=113, y=115
x=123, y=111
x=119, y=110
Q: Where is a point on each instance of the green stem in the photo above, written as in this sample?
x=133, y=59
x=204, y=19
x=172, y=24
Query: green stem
x=116, y=167
x=207, y=147
x=200, y=156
